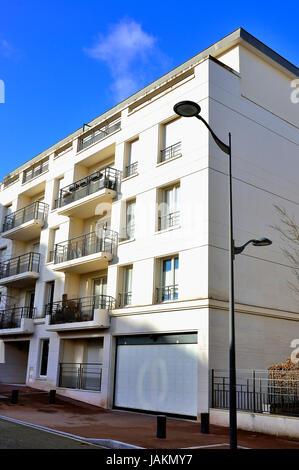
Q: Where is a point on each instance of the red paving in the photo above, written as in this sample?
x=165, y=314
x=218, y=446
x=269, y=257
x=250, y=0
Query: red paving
x=133, y=428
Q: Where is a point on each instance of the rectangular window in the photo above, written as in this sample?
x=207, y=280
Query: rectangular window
x=125, y=297
x=132, y=158
x=168, y=289
x=130, y=219
x=169, y=213
x=52, y=243
x=170, y=140
x=44, y=357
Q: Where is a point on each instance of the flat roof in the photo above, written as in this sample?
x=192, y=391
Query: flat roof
x=236, y=37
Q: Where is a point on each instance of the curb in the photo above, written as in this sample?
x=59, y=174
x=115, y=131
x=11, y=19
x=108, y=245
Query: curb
x=108, y=443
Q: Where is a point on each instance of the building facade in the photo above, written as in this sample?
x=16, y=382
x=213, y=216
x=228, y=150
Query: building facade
x=114, y=244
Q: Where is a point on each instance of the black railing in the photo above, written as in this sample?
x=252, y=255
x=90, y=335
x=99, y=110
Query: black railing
x=124, y=299
x=35, y=211
x=78, y=310
x=169, y=220
x=167, y=293
x=11, y=317
x=258, y=392
x=106, y=178
x=97, y=135
x=131, y=169
x=35, y=171
x=171, y=152
x=80, y=376
x=103, y=240
x=30, y=262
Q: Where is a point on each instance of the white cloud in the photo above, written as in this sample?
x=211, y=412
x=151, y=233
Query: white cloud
x=127, y=50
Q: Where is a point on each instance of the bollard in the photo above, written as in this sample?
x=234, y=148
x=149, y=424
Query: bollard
x=52, y=397
x=205, y=423
x=161, y=427
x=14, y=396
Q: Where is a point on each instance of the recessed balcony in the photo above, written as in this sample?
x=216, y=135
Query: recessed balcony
x=82, y=197
x=16, y=321
x=26, y=223
x=83, y=313
x=86, y=253
x=22, y=271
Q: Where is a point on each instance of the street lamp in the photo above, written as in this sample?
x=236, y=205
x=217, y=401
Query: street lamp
x=192, y=109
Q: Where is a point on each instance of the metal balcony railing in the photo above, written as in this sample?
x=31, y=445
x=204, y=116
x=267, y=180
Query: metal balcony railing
x=97, y=135
x=37, y=210
x=80, y=376
x=30, y=262
x=131, y=169
x=124, y=299
x=169, y=220
x=106, y=178
x=103, y=240
x=167, y=293
x=171, y=152
x=11, y=317
x=35, y=171
x=78, y=310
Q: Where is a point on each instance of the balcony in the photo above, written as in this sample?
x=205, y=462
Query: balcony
x=17, y=320
x=83, y=313
x=82, y=197
x=97, y=135
x=26, y=224
x=22, y=271
x=35, y=171
x=171, y=152
x=80, y=376
x=167, y=293
x=86, y=253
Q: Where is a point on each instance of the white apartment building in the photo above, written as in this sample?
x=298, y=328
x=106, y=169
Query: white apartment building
x=114, y=247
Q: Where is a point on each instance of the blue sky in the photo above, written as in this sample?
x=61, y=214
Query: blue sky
x=56, y=57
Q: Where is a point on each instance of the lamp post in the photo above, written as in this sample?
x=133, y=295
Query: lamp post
x=192, y=109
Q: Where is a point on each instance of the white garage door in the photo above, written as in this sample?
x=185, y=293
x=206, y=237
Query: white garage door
x=157, y=373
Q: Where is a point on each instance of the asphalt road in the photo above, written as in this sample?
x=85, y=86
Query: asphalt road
x=18, y=436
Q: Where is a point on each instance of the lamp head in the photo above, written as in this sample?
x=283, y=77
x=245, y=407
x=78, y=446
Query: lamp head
x=187, y=108
x=262, y=242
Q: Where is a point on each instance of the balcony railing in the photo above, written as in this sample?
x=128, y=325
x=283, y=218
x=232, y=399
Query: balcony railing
x=103, y=240
x=124, y=299
x=106, y=178
x=171, y=152
x=167, y=293
x=11, y=317
x=37, y=210
x=35, y=171
x=80, y=376
x=169, y=220
x=131, y=169
x=29, y=262
x=78, y=310
x=97, y=135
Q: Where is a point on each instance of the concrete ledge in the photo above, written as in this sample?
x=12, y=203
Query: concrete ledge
x=266, y=423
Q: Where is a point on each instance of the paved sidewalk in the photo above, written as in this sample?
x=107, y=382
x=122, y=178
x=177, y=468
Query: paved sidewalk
x=137, y=429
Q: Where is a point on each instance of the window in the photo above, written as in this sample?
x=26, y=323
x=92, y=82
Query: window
x=170, y=140
x=57, y=187
x=168, y=289
x=52, y=243
x=169, y=214
x=44, y=357
x=132, y=158
x=99, y=289
x=125, y=297
x=130, y=219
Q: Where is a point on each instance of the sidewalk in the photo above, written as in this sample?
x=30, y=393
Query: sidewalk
x=137, y=429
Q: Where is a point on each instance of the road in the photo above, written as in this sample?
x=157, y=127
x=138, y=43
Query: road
x=18, y=436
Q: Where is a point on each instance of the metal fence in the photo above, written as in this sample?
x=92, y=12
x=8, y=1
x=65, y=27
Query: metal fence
x=171, y=152
x=37, y=210
x=167, y=293
x=21, y=264
x=97, y=135
x=169, y=220
x=36, y=170
x=11, y=317
x=106, y=178
x=124, y=299
x=82, y=376
x=258, y=391
x=103, y=240
x=131, y=169
x=78, y=310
